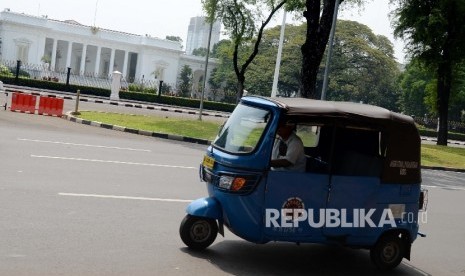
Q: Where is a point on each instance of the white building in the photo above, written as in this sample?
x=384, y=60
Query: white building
x=197, y=34
x=90, y=50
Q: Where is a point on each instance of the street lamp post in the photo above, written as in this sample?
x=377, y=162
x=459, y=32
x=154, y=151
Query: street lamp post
x=205, y=72
x=274, y=89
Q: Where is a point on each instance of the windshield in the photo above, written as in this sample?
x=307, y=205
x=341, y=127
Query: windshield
x=243, y=130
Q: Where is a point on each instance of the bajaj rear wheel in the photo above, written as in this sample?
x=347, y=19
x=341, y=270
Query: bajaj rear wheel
x=388, y=252
x=198, y=233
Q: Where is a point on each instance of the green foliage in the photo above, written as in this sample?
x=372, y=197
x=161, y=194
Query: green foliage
x=46, y=59
x=185, y=81
x=166, y=88
x=174, y=38
x=141, y=88
x=457, y=100
x=319, y=18
x=5, y=71
x=241, y=21
x=223, y=76
x=431, y=27
x=435, y=35
x=200, y=52
x=414, y=82
x=363, y=67
x=260, y=75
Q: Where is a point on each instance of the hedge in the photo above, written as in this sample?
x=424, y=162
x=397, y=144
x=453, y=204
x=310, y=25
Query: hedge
x=432, y=133
x=58, y=86
x=168, y=100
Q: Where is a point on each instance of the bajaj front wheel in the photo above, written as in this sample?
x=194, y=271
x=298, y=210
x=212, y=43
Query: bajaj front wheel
x=388, y=252
x=198, y=233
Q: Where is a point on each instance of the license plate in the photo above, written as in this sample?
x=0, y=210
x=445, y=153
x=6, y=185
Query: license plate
x=208, y=162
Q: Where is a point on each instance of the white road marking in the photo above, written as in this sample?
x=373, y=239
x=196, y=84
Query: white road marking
x=81, y=145
x=414, y=268
x=112, y=162
x=126, y=197
x=446, y=187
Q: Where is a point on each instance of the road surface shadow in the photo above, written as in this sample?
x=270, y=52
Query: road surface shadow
x=244, y=258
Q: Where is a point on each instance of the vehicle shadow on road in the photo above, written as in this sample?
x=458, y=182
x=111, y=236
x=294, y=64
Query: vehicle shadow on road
x=243, y=258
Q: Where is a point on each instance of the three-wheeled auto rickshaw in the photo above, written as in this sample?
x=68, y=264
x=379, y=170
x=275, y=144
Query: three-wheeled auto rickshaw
x=361, y=187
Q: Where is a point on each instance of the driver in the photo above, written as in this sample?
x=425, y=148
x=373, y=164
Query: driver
x=288, y=150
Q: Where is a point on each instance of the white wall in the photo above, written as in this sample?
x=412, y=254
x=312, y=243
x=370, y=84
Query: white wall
x=152, y=52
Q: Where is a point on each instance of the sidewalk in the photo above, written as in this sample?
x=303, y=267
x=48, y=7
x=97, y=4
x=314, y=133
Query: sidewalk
x=105, y=100
x=431, y=140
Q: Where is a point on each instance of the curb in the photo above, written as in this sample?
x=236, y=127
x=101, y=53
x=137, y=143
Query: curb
x=452, y=142
x=434, y=168
x=68, y=116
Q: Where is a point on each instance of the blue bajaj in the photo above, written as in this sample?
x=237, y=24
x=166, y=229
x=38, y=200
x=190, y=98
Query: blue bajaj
x=360, y=186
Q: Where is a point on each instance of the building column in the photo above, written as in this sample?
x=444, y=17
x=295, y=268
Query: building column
x=112, y=61
x=68, y=54
x=97, y=61
x=83, y=60
x=125, y=64
x=54, y=55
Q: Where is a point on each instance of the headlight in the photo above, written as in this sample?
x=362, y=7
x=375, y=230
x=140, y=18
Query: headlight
x=231, y=183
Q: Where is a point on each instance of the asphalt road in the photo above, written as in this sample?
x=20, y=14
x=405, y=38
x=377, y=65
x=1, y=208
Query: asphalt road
x=80, y=200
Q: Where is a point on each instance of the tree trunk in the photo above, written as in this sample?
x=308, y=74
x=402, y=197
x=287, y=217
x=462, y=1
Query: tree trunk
x=316, y=38
x=240, y=87
x=310, y=67
x=444, y=89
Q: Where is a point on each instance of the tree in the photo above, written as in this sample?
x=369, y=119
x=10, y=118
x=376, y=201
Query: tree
x=185, y=81
x=239, y=18
x=200, y=52
x=223, y=75
x=259, y=77
x=414, y=82
x=318, y=15
x=363, y=67
x=215, y=84
x=174, y=38
x=435, y=34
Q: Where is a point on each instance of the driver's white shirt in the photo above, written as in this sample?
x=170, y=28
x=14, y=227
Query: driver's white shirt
x=294, y=154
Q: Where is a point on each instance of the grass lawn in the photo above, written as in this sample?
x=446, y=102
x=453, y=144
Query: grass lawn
x=452, y=157
x=184, y=127
x=431, y=155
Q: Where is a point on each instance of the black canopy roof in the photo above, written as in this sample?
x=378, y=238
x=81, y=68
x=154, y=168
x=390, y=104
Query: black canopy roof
x=302, y=106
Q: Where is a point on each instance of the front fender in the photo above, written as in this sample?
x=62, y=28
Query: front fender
x=207, y=207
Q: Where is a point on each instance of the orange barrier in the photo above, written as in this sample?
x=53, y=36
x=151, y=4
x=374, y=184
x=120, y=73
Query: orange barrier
x=50, y=106
x=23, y=103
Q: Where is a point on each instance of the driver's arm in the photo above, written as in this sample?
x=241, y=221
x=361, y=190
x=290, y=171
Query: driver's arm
x=280, y=163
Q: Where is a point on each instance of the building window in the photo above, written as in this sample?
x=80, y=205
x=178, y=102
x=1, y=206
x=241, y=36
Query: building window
x=22, y=52
x=159, y=73
x=160, y=67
